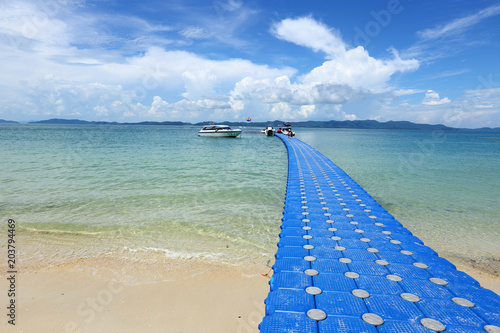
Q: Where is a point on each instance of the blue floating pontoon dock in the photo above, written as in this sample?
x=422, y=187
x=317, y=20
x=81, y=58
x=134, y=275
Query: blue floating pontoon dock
x=344, y=264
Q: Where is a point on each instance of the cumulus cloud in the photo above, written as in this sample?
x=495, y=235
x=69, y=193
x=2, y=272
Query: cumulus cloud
x=432, y=98
x=478, y=107
x=139, y=79
x=282, y=99
x=281, y=90
x=125, y=83
x=474, y=108
x=157, y=107
x=346, y=75
x=54, y=97
x=306, y=31
x=352, y=67
x=72, y=74
x=357, y=68
x=283, y=110
x=183, y=109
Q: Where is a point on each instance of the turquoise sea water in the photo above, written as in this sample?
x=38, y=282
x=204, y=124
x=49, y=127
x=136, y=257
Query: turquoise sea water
x=444, y=186
x=140, y=192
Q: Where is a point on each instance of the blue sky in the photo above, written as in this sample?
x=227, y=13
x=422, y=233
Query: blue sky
x=115, y=60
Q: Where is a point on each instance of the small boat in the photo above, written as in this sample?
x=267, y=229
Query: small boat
x=219, y=131
x=269, y=131
x=287, y=129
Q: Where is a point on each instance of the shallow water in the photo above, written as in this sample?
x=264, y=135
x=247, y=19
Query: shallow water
x=143, y=189
x=442, y=185
x=149, y=192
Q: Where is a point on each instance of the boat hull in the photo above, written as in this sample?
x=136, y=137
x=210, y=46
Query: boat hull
x=269, y=132
x=221, y=134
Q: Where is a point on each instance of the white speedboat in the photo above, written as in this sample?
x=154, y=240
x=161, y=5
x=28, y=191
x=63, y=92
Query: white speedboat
x=269, y=131
x=219, y=131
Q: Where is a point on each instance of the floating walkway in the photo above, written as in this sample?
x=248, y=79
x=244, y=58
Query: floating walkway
x=344, y=264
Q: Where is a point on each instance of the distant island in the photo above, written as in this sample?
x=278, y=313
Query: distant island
x=84, y=122
x=8, y=122
x=350, y=124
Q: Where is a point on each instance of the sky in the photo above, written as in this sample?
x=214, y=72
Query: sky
x=432, y=62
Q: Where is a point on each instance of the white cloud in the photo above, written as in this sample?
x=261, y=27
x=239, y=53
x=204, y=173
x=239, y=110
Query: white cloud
x=281, y=110
x=446, y=74
x=349, y=74
x=288, y=112
x=281, y=90
x=223, y=27
x=432, y=98
x=475, y=108
x=481, y=106
x=101, y=111
x=281, y=99
x=230, y=5
x=306, y=31
x=69, y=72
x=357, y=69
x=57, y=68
x=452, y=37
x=353, y=67
x=62, y=23
x=199, y=84
x=195, y=33
x=307, y=110
x=404, y=92
x=78, y=66
x=157, y=107
x=53, y=97
x=28, y=22
x=124, y=88
x=350, y=117
x=183, y=109
x=458, y=25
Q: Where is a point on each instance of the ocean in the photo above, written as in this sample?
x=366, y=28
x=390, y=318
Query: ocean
x=147, y=195
x=442, y=185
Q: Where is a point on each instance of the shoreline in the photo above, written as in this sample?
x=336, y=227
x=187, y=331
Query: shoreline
x=487, y=281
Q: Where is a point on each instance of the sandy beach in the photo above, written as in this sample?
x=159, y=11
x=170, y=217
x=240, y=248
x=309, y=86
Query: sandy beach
x=72, y=299
x=191, y=296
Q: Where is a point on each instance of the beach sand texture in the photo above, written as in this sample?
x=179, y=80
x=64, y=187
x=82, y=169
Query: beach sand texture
x=73, y=299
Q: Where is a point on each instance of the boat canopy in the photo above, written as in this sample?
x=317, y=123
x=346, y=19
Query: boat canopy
x=215, y=127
